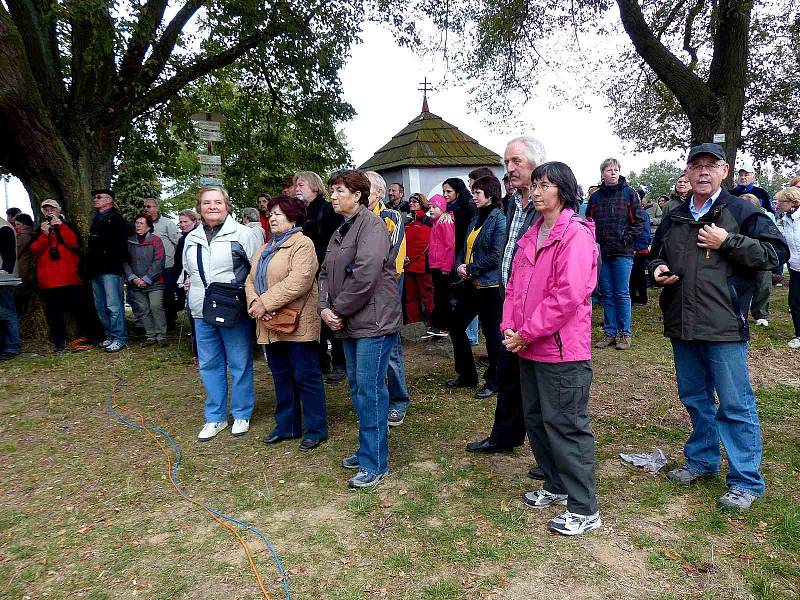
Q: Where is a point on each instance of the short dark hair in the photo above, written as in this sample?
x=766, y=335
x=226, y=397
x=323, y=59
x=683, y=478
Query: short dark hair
x=24, y=219
x=146, y=217
x=400, y=185
x=490, y=185
x=12, y=212
x=293, y=208
x=353, y=180
x=263, y=195
x=564, y=179
x=287, y=181
x=476, y=174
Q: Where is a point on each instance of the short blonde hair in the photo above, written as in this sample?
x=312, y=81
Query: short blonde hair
x=794, y=182
x=792, y=194
x=313, y=180
x=752, y=199
x=212, y=188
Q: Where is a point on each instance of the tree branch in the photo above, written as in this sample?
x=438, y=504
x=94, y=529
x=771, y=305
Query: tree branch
x=93, y=66
x=162, y=49
x=687, y=32
x=41, y=46
x=690, y=91
x=205, y=65
x=670, y=18
x=143, y=36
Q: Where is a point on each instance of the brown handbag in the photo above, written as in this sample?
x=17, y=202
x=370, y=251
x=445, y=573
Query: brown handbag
x=285, y=320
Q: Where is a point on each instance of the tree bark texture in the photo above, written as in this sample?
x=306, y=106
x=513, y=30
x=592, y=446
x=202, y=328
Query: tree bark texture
x=714, y=105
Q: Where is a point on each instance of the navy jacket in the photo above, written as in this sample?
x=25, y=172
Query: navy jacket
x=758, y=192
x=487, y=251
x=617, y=213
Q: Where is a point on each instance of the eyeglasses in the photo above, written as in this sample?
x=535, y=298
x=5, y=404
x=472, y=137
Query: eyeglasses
x=705, y=167
x=543, y=187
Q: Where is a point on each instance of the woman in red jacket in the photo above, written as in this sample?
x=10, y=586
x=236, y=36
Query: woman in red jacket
x=418, y=282
x=57, y=249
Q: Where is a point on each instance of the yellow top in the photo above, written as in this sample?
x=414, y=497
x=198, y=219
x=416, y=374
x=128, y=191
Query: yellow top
x=470, y=242
x=396, y=235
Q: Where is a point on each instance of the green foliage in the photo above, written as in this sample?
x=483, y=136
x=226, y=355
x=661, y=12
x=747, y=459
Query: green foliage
x=658, y=178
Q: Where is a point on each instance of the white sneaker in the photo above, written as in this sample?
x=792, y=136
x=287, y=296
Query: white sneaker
x=794, y=343
x=104, y=344
x=114, y=346
x=209, y=430
x=541, y=498
x=240, y=427
x=574, y=524
x=762, y=322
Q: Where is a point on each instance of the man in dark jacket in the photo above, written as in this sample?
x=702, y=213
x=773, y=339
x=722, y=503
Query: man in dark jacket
x=706, y=255
x=321, y=221
x=107, y=252
x=745, y=184
x=617, y=213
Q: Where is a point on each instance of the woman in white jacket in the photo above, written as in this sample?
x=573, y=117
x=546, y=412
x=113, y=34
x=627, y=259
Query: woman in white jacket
x=788, y=200
x=223, y=248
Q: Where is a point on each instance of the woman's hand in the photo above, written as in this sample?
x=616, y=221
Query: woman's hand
x=139, y=282
x=257, y=310
x=462, y=271
x=513, y=341
x=331, y=319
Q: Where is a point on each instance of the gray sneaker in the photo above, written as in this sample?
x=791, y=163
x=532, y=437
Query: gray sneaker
x=105, y=343
x=396, y=417
x=735, y=499
x=114, y=346
x=684, y=476
x=541, y=498
x=350, y=462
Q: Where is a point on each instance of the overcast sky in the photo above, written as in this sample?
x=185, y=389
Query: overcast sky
x=582, y=138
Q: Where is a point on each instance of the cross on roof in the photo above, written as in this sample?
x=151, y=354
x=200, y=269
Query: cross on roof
x=424, y=87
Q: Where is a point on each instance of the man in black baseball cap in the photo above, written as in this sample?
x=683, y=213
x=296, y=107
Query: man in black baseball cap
x=706, y=255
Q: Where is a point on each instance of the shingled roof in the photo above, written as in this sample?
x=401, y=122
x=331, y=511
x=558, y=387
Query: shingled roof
x=430, y=141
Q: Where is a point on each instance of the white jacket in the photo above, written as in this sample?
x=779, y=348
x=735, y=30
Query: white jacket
x=223, y=261
x=791, y=231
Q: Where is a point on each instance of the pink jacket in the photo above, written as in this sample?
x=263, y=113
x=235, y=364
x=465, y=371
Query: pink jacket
x=548, y=296
x=441, y=249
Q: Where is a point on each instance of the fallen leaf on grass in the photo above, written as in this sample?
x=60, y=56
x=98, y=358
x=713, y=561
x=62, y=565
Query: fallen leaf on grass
x=402, y=492
x=86, y=529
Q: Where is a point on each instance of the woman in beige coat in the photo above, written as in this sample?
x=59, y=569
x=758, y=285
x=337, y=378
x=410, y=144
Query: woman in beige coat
x=282, y=276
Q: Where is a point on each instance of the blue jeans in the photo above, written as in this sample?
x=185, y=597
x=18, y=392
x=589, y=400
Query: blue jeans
x=472, y=331
x=615, y=277
x=705, y=367
x=299, y=392
x=107, y=290
x=396, y=378
x=220, y=349
x=367, y=361
x=9, y=322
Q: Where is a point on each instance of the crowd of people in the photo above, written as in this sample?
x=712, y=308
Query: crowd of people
x=325, y=285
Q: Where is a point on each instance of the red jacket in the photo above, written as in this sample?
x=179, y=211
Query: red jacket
x=418, y=234
x=62, y=271
x=264, y=225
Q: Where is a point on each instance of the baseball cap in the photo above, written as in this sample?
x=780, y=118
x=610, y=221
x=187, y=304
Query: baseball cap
x=108, y=191
x=707, y=148
x=53, y=203
x=747, y=166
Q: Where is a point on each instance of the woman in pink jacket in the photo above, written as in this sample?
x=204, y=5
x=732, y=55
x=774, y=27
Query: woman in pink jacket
x=547, y=320
x=441, y=256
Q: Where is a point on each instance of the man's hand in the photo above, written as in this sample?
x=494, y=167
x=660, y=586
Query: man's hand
x=331, y=319
x=139, y=282
x=711, y=236
x=462, y=271
x=55, y=220
x=46, y=227
x=660, y=279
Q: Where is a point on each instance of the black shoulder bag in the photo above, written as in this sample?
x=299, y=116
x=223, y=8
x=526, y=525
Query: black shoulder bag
x=224, y=304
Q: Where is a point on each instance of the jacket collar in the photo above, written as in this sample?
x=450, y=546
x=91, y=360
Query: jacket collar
x=198, y=234
x=558, y=229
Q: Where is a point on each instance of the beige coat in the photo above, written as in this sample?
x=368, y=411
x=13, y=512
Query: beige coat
x=290, y=276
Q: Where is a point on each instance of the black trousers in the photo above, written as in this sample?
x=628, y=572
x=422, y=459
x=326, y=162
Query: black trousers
x=75, y=300
x=487, y=305
x=638, y=282
x=336, y=358
x=509, y=423
x=555, y=399
x=442, y=313
x=172, y=304
x=794, y=299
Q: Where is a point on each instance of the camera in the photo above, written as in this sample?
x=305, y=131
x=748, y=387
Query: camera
x=50, y=218
x=54, y=253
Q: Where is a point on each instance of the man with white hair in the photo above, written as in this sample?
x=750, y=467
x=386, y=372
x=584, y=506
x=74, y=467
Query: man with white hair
x=395, y=227
x=251, y=218
x=523, y=154
x=745, y=184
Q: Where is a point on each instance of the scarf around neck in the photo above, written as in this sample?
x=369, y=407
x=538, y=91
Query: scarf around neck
x=270, y=248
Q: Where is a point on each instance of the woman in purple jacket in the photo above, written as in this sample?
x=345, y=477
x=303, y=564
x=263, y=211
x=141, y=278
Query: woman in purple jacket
x=547, y=320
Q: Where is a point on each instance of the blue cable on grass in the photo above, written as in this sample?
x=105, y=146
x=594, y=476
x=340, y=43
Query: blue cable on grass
x=176, y=449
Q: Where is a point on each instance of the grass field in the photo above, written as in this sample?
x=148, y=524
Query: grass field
x=87, y=510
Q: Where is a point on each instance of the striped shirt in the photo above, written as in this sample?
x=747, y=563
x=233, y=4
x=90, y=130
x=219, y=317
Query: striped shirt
x=514, y=232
